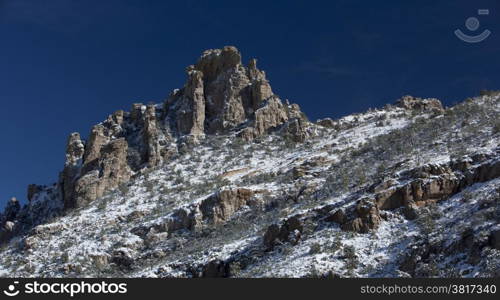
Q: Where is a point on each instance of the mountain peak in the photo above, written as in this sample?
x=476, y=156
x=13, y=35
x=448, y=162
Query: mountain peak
x=221, y=95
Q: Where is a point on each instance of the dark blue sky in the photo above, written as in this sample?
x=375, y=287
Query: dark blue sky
x=65, y=65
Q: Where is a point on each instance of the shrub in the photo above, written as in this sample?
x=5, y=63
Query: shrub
x=315, y=248
x=496, y=127
x=150, y=186
x=352, y=259
x=336, y=244
x=466, y=196
x=427, y=222
x=349, y=252
x=178, y=180
x=103, y=203
x=124, y=189
x=313, y=273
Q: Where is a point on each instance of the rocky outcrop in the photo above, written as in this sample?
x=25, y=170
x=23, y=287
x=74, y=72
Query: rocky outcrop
x=47, y=229
x=123, y=259
x=190, y=115
x=181, y=218
x=362, y=218
x=433, y=183
x=366, y=217
x=214, y=210
x=150, y=137
x=222, y=95
x=419, y=104
x=289, y=231
x=104, y=172
x=338, y=216
x=328, y=123
x=271, y=115
x=421, y=186
x=111, y=171
x=150, y=141
x=98, y=138
x=123, y=143
x=216, y=269
x=218, y=208
x=276, y=115
x=307, y=167
x=75, y=150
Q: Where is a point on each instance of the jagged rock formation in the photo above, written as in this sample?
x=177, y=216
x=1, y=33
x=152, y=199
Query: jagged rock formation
x=289, y=231
x=366, y=217
x=74, y=154
x=91, y=171
x=219, y=207
x=108, y=171
x=432, y=183
x=213, y=210
x=220, y=95
x=420, y=187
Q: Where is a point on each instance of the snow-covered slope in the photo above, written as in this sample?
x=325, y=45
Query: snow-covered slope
x=210, y=210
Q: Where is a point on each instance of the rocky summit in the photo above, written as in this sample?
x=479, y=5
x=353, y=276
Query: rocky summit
x=225, y=179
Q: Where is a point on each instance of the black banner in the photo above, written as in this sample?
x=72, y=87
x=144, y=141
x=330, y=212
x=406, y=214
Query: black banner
x=235, y=288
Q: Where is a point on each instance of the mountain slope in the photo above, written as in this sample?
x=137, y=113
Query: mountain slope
x=224, y=180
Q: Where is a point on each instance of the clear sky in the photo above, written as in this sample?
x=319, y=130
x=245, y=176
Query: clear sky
x=66, y=64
